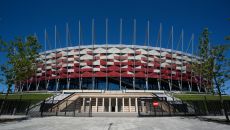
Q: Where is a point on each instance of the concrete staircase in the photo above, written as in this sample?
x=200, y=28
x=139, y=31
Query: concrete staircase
x=56, y=98
x=64, y=103
x=171, y=102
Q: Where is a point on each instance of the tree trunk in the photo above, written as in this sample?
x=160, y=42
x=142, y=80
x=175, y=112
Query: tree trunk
x=4, y=100
x=221, y=100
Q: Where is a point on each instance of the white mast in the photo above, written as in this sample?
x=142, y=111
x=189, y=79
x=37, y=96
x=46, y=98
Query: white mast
x=79, y=55
x=171, y=59
x=192, y=63
x=190, y=42
x=120, y=48
x=106, y=38
x=182, y=46
x=160, y=56
x=93, y=78
x=45, y=60
x=67, y=57
x=36, y=77
x=147, y=72
x=55, y=44
x=134, y=49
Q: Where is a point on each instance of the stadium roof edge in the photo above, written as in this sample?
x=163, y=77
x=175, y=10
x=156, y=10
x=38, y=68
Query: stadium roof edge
x=119, y=45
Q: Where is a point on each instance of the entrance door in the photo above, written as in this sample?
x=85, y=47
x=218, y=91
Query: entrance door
x=113, y=104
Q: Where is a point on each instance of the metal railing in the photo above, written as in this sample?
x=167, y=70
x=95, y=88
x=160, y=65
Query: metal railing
x=36, y=108
x=180, y=108
x=80, y=107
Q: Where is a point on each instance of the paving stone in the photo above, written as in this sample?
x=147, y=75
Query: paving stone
x=113, y=123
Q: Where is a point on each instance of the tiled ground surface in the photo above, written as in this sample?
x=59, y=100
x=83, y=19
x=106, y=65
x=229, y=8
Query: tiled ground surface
x=113, y=123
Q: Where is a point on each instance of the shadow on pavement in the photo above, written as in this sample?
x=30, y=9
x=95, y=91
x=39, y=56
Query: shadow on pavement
x=208, y=119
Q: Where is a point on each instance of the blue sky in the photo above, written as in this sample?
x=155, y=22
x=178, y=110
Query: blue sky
x=25, y=17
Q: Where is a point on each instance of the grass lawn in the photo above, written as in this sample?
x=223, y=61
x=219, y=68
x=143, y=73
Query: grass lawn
x=200, y=97
x=27, y=96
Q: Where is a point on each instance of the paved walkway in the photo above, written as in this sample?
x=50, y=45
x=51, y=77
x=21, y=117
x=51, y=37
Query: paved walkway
x=213, y=117
x=113, y=123
x=4, y=118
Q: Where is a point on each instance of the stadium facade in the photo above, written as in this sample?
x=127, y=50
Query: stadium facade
x=113, y=76
x=116, y=66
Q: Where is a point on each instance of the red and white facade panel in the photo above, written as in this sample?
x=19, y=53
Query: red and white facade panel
x=115, y=61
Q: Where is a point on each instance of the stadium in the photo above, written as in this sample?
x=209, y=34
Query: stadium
x=116, y=67
x=112, y=77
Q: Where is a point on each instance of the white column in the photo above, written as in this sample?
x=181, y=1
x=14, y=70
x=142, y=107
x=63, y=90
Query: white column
x=123, y=104
x=159, y=86
x=180, y=85
x=47, y=84
x=198, y=87
x=37, y=86
x=189, y=87
x=129, y=104
x=96, y=104
x=170, y=85
x=116, y=108
x=146, y=84
x=136, y=104
x=103, y=104
x=142, y=106
x=83, y=104
x=109, y=104
x=68, y=82
x=57, y=84
x=90, y=104
x=134, y=83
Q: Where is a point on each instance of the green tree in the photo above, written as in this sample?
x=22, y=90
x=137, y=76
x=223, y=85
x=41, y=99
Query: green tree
x=21, y=61
x=2, y=67
x=205, y=64
x=213, y=65
x=22, y=56
x=8, y=75
x=221, y=72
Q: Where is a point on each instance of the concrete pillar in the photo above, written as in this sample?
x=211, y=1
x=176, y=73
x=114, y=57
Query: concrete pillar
x=83, y=104
x=159, y=86
x=123, y=104
x=134, y=83
x=47, y=84
x=198, y=88
x=189, y=87
x=180, y=85
x=68, y=83
x=109, y=104
x=37, y=86
x=120, y=82
x=90, y=105
x=57, y=84
x=116, y=107
x=129, y=104
x=96, y=104
x=146, y=84
x=142, y=106
x=136, y=105
x=170, y=85
x=93, y=83
x=103, y=104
